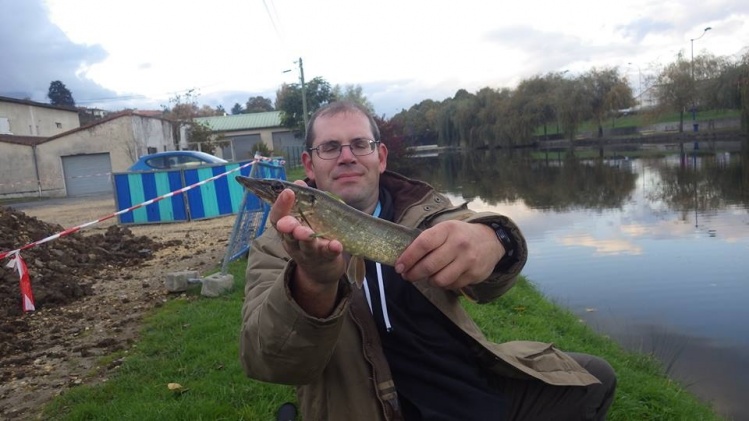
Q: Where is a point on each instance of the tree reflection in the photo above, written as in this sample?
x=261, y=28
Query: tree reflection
x=703, y=184
x=560, y=184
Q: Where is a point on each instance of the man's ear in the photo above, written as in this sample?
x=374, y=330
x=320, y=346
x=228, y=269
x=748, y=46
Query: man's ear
x=309, y=169
x=382, y=152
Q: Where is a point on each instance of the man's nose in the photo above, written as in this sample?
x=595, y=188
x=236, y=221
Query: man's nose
x=347, y=154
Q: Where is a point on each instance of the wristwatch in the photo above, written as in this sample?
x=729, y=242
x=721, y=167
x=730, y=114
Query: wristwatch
x=509, y=258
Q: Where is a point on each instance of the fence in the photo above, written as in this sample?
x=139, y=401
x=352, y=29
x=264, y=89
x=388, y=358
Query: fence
x=223, y=196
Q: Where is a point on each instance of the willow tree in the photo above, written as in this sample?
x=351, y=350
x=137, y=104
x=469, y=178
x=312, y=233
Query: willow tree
x=572, y=107
x=675, y=87
x=607, y=92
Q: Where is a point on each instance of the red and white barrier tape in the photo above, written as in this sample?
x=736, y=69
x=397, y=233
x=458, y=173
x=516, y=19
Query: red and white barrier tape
x=20, y=266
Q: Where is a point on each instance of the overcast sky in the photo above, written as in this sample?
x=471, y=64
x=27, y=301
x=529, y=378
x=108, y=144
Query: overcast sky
x=139, y=53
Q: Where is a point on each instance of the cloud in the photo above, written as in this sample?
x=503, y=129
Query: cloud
x=36, y=52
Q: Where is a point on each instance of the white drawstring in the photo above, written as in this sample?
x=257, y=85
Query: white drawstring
x=382, y=298
x=366, y=294
x=383, y=304
x=380, y=283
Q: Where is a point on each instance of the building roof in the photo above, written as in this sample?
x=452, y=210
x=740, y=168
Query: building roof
x=238, y=122
x=22, y=140
x=37, y=104
x=106, y=119
x=36, y=140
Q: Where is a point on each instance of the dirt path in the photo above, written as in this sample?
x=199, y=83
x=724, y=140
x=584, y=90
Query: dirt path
x=60, y=346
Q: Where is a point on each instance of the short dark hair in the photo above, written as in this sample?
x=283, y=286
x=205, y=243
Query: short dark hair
x=338, y=107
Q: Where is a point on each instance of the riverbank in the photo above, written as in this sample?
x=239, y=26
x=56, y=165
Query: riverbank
x=178, y=346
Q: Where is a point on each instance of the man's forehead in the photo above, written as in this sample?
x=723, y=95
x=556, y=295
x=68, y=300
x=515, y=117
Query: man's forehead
x=343, y=126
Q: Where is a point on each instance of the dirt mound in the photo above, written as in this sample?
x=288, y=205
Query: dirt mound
x=91, y=289
x=61, y=270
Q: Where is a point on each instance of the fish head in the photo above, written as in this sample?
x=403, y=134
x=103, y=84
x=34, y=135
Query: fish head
x=266, y=189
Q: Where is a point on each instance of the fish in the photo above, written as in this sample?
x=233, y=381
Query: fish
x=363, y=236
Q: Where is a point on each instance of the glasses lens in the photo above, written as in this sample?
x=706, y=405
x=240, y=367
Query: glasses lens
x=361, y=147
x=332, y=149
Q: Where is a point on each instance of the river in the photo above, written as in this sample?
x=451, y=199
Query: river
x=652, y=252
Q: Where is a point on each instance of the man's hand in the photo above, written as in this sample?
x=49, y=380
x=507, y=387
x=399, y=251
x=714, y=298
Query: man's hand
x=319, y=262
x=451, y=255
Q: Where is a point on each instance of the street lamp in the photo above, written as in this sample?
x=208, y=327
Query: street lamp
x=692, y=41
x=694, y=107
x=304, y=93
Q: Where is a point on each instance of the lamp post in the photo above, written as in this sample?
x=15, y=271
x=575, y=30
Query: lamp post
x=304, y=94
x=692, y=41
x=694, y=107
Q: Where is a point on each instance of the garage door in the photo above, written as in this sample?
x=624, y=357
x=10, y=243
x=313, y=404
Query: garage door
x=87, y=174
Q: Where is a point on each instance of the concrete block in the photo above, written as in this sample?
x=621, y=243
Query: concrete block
x=179, y=281
x=217, y=284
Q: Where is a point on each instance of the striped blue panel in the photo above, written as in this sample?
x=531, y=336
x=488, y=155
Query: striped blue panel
x=194, y=196
x=208, y=193
x=122, y=197
x=137, y=196
x=148, y=180
x=223, y=196
x=179, y=207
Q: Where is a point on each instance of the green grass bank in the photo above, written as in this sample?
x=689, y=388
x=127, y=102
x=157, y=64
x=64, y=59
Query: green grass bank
x=193, y=341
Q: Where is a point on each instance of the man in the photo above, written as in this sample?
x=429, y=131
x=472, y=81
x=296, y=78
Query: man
x=402, y=347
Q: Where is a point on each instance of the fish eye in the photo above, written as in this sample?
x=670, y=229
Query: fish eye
x=277, y=187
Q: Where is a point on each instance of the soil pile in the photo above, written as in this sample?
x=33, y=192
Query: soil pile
x=91, y=290
x=61, y=270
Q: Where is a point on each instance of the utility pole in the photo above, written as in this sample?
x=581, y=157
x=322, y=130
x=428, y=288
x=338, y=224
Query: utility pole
x=304, y=95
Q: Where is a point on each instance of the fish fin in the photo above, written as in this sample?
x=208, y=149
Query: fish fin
x=334, y=196
x=356, y=271
x=468, y=295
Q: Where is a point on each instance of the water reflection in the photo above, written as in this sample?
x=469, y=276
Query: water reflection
x=556, y=184
x=635, y=247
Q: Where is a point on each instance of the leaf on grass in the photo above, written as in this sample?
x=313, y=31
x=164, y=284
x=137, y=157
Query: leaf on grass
x=177, y=388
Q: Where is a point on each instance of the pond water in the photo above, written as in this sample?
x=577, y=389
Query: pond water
x=654, y=253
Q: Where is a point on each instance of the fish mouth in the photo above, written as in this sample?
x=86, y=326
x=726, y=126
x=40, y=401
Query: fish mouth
x=267, y=190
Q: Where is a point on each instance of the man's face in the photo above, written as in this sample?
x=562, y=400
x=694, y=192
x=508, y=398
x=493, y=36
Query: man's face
x=354, y=179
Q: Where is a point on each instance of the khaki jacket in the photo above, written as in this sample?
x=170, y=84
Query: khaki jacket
x=337, y=363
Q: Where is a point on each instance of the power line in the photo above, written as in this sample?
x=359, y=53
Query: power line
x=273, y=20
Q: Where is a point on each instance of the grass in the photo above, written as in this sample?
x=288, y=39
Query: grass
x=295, y=173
x=193, y=341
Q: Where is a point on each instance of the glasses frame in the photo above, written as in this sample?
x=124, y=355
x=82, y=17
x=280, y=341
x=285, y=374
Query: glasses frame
x=372, y=147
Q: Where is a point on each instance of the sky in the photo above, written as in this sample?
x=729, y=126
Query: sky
x=140, y=53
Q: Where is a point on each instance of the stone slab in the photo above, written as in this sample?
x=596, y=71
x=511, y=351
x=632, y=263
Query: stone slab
x=217, y=284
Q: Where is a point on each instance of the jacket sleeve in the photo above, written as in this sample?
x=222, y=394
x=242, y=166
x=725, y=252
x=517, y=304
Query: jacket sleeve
x=279, y=342
x=503, y=278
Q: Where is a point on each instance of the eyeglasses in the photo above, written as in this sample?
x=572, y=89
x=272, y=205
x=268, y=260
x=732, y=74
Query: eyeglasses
x=333, y=148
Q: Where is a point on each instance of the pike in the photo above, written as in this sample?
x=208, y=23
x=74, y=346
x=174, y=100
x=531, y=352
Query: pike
x=363, y=236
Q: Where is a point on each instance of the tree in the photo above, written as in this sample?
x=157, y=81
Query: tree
x=289, y=102
x=60, y=95
x=237, y=109
x=258, y=104
x=675, y=89
x=201, y=137
x=607, y=92
x=572, y=107
x=184, y=109
x=352, y=93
